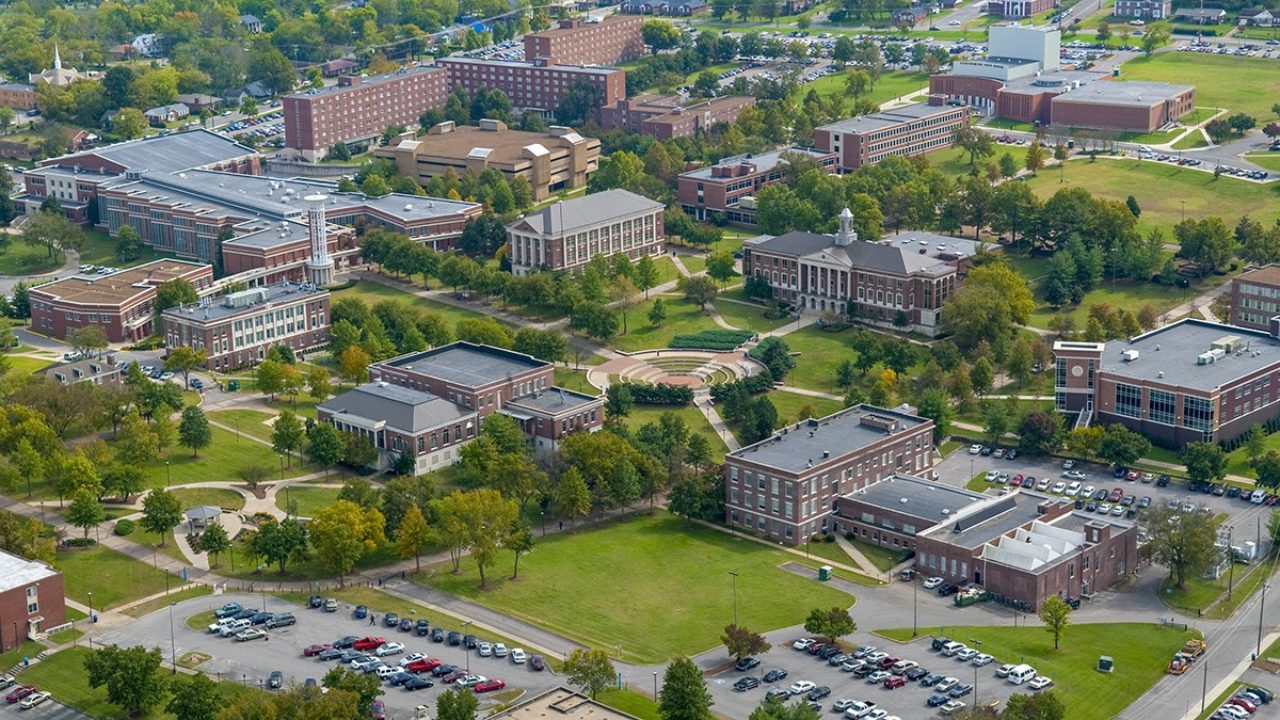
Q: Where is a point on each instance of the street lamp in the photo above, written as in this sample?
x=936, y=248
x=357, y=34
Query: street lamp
x=734, y=575
x=1261, y=605
x=655, y=686
x=977, y=642
x=915, y=593
x=466, y=650
x=173, y=646
x=543, y=515
x=168, y=476
x=1231, y=563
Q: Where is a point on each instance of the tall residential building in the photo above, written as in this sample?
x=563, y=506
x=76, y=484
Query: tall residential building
x=1144, y=9
x=671, y=116
x=1255, y=297
x=566, y=235
x=588, y=41
x=729, y=187
x=910, y=130
x=32, y=600
x=360, y=108
x=536, y=86
x=237, y=330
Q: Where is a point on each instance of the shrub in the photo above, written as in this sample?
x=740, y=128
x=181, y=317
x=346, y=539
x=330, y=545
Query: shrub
x=659, y=394
x=850, y=535
x=79, y=542
x=123, y=527
x=718, y=339
x=828, y=538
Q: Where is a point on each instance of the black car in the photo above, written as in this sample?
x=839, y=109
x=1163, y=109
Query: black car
x=827, y=652
x=348, y=655
x=536, y=663
x=747, y=663
x=455, y=638
x=863, y=670
x=315, y=601
x=422, y=627
x=406, y=624
x=282, y=620
x=442, y=670
x=260, y=617
x=932, y=679
x=276, y=680
x=818, y=693
x=330, y=654
x=400, y=678
x=939, y=642
x=961, y=690
x=1079, y=503
x=987, y=450
x=1120, y=472
x=417, y=683
x=345, y=642
x=437, y=634
x=469, y=642
x=246, y=613
x=391, y=620
x=1162, y=481
x=1091, y=506
x=1012, y=454
x=915, y=673
x=1233, y=491
x=1266, y=695
x=937, y=699
x=746, y=683
x=774, y=675
x=947, y=588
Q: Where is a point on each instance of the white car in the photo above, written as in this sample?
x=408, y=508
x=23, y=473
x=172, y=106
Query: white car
x=1042, y=484
x=975, y=449
x=877, y=714
x=991, y=475
x=364, y=662
x=932, y=582
x=411, y=658
x=858, y=710
x=1068, y=464
x=387, y=671
x=499, y=650
x=951, y=706
x=875, y=657
x=1059, y=488
x=389, y=648
x=843, y=704
x=484, y=649
x=983, y=659
x=802, y=644
x=946, y=684
x=801, y=687
x=517, y=656
x=471, y=680
x=878, y=677
x=1003, y=670
x=966, y=655
x=34, y=699
x=1087, y=491
x=1074, y=488
x=1039, y=682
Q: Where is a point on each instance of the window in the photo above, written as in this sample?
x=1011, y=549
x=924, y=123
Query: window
x=1061, y=380
x=1162, y=406
x=1197, y=413
x=1128, y=400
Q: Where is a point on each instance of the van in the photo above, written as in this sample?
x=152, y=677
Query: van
x=952, y=648
x=1258, y=497
x=234, y=627
x=1022, y=673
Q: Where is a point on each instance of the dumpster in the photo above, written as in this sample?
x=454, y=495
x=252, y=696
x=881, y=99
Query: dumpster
x=233, y=385
x=824, y=572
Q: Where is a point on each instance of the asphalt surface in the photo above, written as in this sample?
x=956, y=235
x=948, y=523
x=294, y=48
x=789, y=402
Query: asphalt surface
x=252, y=662
x=48, y=710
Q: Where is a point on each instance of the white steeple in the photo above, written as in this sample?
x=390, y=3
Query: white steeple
x=57, y=59
x=319, y=265
x=847, y=235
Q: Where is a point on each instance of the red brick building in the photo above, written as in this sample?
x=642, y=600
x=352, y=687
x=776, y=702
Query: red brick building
x=670, y=116
x=31, y=600
x=588, y=41
x=398, y=420
x=910, y=130
x=1122, y=105
x=729, y=187
x=19, y=96
x=1255, y=298
x=538, y=85
x=784, y=487
x=359, y=108
x=1017, y=9
x=566, y=235
x=237, y=330
x=122, y=303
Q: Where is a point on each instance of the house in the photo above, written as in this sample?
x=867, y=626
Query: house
x=251, y=24
x=99, y=371
x=57, y=76
x=198, y=102
x=1207, y=16
x=147, y=45
x=912, y=15
x=1259, y=17
x=338, y=67
x=256, y=90
x=670, y=8
x=167, y=113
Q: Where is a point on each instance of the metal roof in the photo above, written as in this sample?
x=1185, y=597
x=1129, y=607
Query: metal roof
x=405, y=409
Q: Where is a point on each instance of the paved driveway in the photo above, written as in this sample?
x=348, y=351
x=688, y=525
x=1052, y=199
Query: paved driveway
x=252, y=662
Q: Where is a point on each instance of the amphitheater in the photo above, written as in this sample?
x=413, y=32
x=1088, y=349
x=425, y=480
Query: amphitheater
x=692, y=368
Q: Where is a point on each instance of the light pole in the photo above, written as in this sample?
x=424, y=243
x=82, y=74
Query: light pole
x=543, y=514
x=977, y=642
x=734, y=575
x=1204, y=687
x=915, y=593
x=655, y=686
x=173, y=646
x=466, y=649
x=1231, y=563
x=1261, y=605
x=168, y=476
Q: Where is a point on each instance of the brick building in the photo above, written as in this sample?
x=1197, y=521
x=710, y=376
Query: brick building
x=670, y=116
x=536, y=86
x=729, y=187
x=668, y=8
x=1122, y=105
x=1018, y=9
x=360, y=108
x=890, y=513
x=99, y=371
x=588, y=41
x=560, y=159
x=910, y=130
x=487, y=379
x=31, y=600
x=1255, y=298
x=237, y=330
x=901, y=282
x=1143, y=9
x=785, y=486
x=1191, y=381
x=122, y=303
x=398, y=420
x=18, y=96
x=566, y=235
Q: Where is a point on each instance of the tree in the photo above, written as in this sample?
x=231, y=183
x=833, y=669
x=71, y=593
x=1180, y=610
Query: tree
x=194, y=431
x=51, y=230
x=88, y=341
x=353, y=364
x=324, y=445
x=1122, y=446
x=318, y=384
x=1035, y=157
x=129, y=123
x=214, y=541
x=85, y=511
x=590, y=670
x=1055, y=613
x=775, y=355
x=1035, y=706
x=699, y=290
x=577, y=104
x=129, y=675
x=195, y=697
x=720, y=267
x=344, y=532
x=1208, y=242
x=173, y=293
x=684, y=693
x=1206, y=462
x=519, y=542
x=976, y=143
x=269, y=377
x=996, y=418
x=1181, y=541
x=831, y=624
x=773, y=708
x=993, y=300
x=413, y=536
x=660, y=35
x=161, y=511
x=646, y=270
x=278, y=542
x=1039, y=433
x=741, y=642
x=1158, y=34
x=287, y=434
x=457, y=704
x=571, y=497
x=183, y=359
x=365, y=687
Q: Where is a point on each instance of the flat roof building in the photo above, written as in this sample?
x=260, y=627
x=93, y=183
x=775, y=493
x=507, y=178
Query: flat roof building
x=729, y=187
x=31, y=600
x=560, y=159
x=566, y=235
x=670, y=116
x=588, y=41
x=1255, y=298
x=913, y=129
x=537, y=85
x=121, y=303
x=563, y=704
x=785, y=486
x=237, y=330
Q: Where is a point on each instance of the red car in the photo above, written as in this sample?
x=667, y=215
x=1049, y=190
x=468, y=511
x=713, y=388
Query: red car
x=423, y=665
x=1117, y=494
x=490, y=685
x=369, y=643
x=19, y=693
x=1132, y=475
x=894, y=682
x=311, y=650
x=889, y=662
x=1243, y=703
x=1016, y=480
x=816, y=648
x=453, y=677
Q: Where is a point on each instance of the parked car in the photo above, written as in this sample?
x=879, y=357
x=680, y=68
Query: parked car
x=418, y=683
x=960, y=690
x=932, y=583
x=406, y=625
x=330, y=654
x=391, y=620
x=818, y=693
x=331, y=605
x=316, y=649
x=345, y=642
x=800, y=687
x=746, y=683
x=422, y=627
x=878, y=677
x=951, y=706
x=281, y=620
x=490, y=685
x=390, y=648
x=19, y=693
x=937, y=699
x=228, y=610
x=369, y=642
x=360, y=612
x=774, y=675
x=746, y=663
x=412, y=658
x=518, y=656
x=536, y=663
x=34, y=699
x=276, y=680
x=894, y=682
x=437, y=634
x=802, y=644
x=946, y=684
x=1039, y=682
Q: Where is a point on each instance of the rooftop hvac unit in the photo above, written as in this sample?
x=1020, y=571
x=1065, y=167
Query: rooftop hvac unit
x=1129, y=355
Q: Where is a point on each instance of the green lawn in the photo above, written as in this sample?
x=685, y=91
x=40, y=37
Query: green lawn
x=955, y=162
x=790, y=404
x=630, y=701
x=309, y=500
x=21, y=258
x=820, y=354
x=218, y=497
x=575, y=380
x=828, y=551
x=747, y=317
x=883, y=558
x=683, y=318
x=1270, y=161
x=1191, y=141
x=113, y=577
x=892, y=84
x=1127, y=294
x=26, y=365
x=218, y=461
x=372, y=292
x=694, y=263
x=159, y=603
x=99, y=248
x=248, y=422
x=1141, y=652
x=1161, y=188
x=693, y=418
x=1254, y=84
x=13, y=656
x=661, y=558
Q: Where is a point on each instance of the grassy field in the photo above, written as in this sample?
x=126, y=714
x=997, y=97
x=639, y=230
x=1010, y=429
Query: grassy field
x=219, y=497
x=747, y=317
x=309, y=500
x=1140, y=652
x=682, y=318
x=218, y=461
x=1191, y=141
x=575, y=380
x=23, y=259
x=26, y=365
x=372, y=292
x=790, y=404
x=883, y=558
x=248, y=422
x=99, y=248
x=1126, y=294
x=113, y=577
x=820, y=354
x=13, y=656
x=160, y=603
x=828, y=551
x=693, y=417
x=893, y=84
x=1161, y=188
x=1209, y=598
x=661, y=557
x=955, y=162
x=630, y=701
x=1270, y=161
x=1254, y=81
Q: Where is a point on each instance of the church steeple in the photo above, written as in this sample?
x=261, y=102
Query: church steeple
x=57, y=59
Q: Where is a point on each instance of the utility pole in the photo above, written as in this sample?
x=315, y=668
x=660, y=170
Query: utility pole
x=734, y=575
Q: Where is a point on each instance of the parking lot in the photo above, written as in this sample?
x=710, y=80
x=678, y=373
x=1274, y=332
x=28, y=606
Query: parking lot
x=908, y=701
x=252, y=662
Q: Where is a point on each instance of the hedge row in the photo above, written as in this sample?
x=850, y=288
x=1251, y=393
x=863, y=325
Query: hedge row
x=659, y=394
x=718, y=339
x=751, y=385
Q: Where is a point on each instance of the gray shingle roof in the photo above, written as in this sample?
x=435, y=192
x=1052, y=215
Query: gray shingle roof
x=402, y=408
x=588, y=211
x=893, y=258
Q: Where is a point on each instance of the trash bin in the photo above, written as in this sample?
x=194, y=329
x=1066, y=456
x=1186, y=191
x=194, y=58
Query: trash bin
x=233, y=385
x=824, y=572
x=1105, y=663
